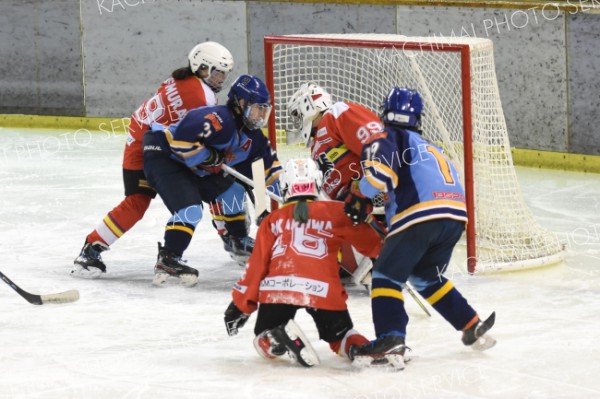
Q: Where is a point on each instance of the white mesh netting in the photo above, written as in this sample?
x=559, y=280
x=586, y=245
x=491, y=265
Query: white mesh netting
x=507, y=235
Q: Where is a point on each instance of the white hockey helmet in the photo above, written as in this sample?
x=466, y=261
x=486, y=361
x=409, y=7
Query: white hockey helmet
x=301, y=177
x=305, y=106
x=217, y=61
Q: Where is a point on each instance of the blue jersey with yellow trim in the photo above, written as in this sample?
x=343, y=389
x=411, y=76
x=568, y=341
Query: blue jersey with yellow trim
x=420, y=180
x=188, y=140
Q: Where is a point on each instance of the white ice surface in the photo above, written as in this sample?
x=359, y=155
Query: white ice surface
x=127, y=339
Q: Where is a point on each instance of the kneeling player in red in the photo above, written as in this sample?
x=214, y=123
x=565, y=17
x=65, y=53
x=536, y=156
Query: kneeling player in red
x=294, y=266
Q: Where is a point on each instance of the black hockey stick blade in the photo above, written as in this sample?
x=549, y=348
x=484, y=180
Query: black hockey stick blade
x=61, y=297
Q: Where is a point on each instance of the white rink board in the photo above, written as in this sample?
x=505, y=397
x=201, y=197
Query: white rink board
x=127, y=339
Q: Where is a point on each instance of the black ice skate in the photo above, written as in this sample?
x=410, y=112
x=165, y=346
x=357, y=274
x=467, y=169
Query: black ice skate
x=170, y=265
x=226, y=243
x=385, y=351
x=476, y=337
x=293, y=340
x=89, y=262
x=241, y=249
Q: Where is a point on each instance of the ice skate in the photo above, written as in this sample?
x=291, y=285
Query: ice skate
x=89, y=262
x=385, y=351
x=266, y=347
x=241, y=249
x=298, y=347
x=228, y=247
x=170, y=265
x=476, y=337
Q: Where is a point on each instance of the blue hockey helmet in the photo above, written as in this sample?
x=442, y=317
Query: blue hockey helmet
x=402, y=107
x=256, y=106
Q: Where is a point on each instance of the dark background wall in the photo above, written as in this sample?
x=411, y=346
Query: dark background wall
x=104, y=57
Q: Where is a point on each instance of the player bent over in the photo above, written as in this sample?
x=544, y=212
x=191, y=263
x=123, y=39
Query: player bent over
x=190, y=87
x=426, y=215
x=335, y=133
x=294, y=266
x=183, y=163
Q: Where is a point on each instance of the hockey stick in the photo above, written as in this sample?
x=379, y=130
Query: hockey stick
x=258, y=184
x=260, y=189
x=416, y=298
x=228, y=169
x=61, y=297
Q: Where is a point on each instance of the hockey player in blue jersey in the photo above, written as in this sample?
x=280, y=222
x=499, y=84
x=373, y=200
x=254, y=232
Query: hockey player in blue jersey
x=183, y=163
x=426, y=215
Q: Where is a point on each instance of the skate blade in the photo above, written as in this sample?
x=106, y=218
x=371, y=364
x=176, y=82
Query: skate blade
x=187, y=280
x=160, y=279
x=308, y=354
x=385, y=363
x=79, y=271
x=484, y=342
x=239, y=259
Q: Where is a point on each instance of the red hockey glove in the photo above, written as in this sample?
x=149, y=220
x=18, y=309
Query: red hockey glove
x=357, y=206
x=214, y=162
x=234, y=319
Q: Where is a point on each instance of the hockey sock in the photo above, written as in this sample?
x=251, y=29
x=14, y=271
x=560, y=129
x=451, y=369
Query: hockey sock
x=236, y=224
x=180, y=228
x=352, y=338
x=387, y=304
x=122, y=218
x=449, y=303
x=218, y=218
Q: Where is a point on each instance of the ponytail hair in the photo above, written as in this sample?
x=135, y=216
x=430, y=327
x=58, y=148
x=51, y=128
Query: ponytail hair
x=301, y=211
x=182, y=73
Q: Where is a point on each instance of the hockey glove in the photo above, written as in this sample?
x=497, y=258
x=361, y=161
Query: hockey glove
x=260, y=217
x=234, y=319
x=356, y=205
x=324, y=163
x=214, y=162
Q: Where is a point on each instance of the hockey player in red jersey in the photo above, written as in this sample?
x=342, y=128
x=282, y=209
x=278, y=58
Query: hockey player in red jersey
x=294, y=265
x=189, y=87
x=335, y=133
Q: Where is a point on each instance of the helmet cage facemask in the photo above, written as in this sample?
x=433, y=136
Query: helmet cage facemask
x=301, y=178
x=256, y=115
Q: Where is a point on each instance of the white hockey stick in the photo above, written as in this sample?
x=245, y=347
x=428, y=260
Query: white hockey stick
x=61, y=297
x=260, y=189
x=228, y=169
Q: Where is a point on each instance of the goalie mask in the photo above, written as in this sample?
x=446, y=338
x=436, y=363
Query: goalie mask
x=402, y=107
x=300, y=178
x=256, y=105
x=305, y=106
x=214, y=60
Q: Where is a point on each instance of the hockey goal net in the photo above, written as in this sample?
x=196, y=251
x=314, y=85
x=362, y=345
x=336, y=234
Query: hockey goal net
x=462, y=113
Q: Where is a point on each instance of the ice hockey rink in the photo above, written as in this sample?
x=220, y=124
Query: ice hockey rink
x=125, y=338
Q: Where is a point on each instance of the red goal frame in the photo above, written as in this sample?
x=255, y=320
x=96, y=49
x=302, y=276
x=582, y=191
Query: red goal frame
x=465, y=60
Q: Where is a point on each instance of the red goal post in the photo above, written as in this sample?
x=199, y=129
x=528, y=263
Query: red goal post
x=462, y=113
